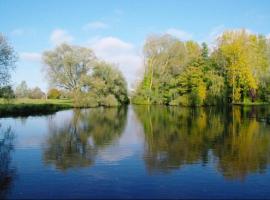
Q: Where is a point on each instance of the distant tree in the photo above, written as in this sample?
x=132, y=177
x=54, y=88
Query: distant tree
x=7, y=60
x=54, y=94
x=36, y=93
x=22, y=90
x=66, y=64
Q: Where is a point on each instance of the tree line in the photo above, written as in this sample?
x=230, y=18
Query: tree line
x=235, y=70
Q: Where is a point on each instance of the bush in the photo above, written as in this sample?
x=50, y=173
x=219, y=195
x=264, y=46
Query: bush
x=54, y=94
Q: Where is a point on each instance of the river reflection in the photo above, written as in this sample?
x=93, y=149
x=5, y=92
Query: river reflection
x=137, y=152
x=237, y=138
x=75, y=142
x=7, y=173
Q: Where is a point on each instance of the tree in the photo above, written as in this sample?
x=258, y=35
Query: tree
x=54, y=93
x=165, y=57
x=66, y=65
x=7, y=60
x=36, y=93
x=22, y=90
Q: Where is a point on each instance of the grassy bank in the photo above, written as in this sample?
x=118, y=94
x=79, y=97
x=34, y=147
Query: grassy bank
x=25, y=107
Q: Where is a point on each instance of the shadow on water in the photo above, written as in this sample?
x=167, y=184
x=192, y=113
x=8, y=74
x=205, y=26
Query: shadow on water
x=7, y=173
x=75, y=142
x=236, y=139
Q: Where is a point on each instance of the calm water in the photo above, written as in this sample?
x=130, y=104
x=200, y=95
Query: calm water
x=139, y=151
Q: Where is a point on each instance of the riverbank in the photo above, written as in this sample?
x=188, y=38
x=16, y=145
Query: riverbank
x=25, y=107
x=251, y=104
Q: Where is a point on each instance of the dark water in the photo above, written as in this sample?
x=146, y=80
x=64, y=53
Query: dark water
x=137, y=152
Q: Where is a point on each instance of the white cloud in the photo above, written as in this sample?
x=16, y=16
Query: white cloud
x=95, y=25
x=17, y=32
x=60, y=36
x=30, y=56
x=119, y=52
x=183, y=35
x=214, y=34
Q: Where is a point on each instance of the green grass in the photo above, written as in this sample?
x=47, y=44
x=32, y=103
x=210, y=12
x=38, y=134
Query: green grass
x=25, y=107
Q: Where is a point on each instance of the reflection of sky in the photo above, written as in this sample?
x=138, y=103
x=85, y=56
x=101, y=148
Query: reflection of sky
x=130, y=142
x=30, y=132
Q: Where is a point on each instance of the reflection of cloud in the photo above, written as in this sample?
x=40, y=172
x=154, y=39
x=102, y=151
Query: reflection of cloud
x=119, y=52
x=59, y=36
x=180, y=34
x=114, y=154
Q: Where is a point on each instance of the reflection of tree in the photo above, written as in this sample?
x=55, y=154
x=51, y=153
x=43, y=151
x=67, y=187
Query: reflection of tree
x=177, y=136
x=75, y=143
x=246, y=147
x=6, y=172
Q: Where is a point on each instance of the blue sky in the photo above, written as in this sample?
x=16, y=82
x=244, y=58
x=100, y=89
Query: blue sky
x=116, y=30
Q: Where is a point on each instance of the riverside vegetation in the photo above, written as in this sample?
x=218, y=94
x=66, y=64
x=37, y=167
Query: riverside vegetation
x=236, y=70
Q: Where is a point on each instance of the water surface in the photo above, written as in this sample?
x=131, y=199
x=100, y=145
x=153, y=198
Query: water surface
x=137, y=152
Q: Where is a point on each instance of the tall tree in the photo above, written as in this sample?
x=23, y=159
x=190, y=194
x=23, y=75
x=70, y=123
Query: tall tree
x=7, y=60
x=66, y=64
